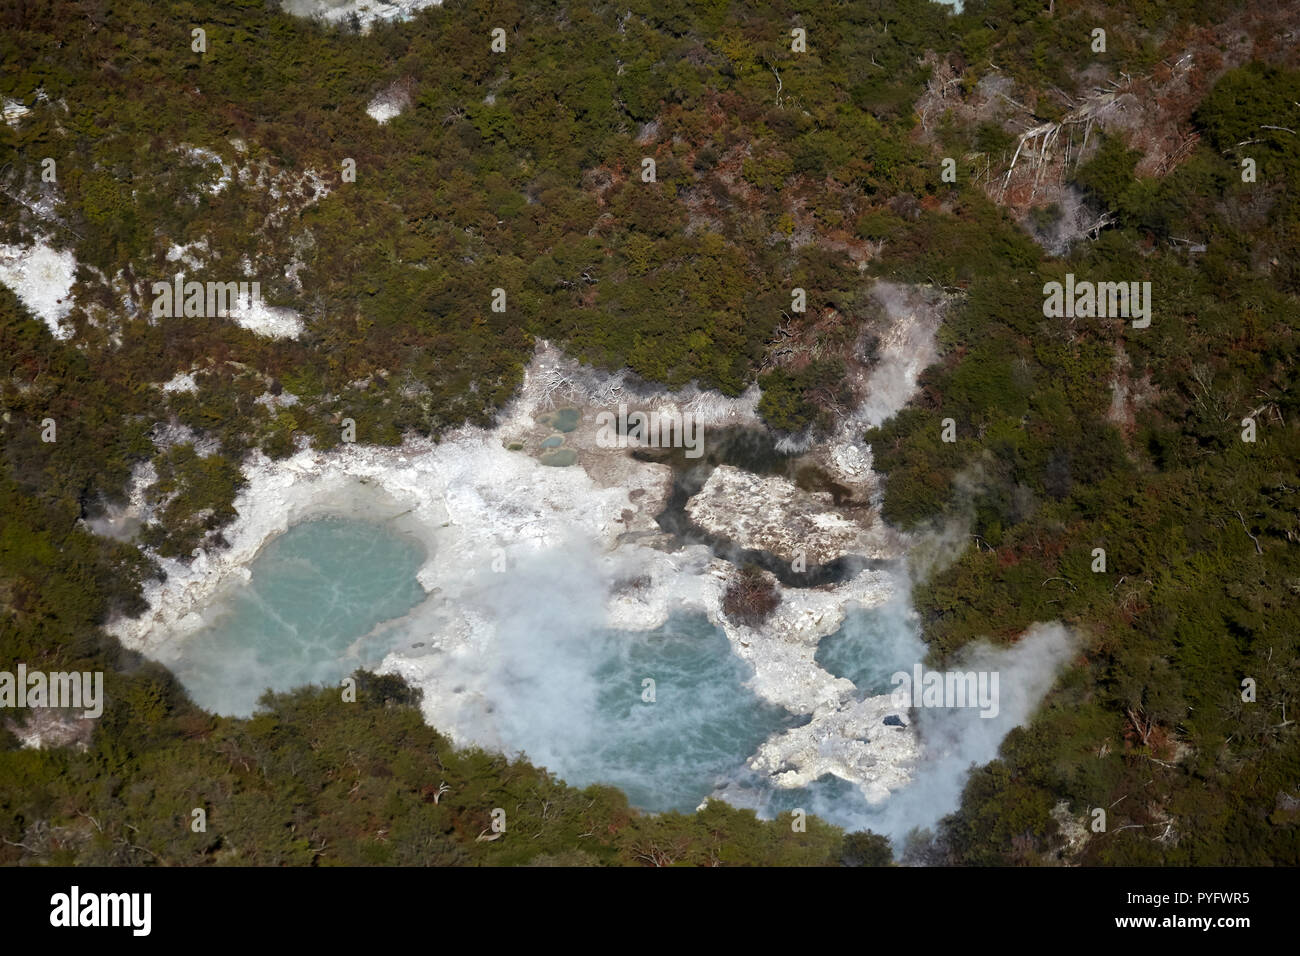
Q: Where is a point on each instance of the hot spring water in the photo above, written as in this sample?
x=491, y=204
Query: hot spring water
x=664, y=714
x=316, y=592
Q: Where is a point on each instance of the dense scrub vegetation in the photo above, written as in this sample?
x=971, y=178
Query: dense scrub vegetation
x=774, y=170
x=314, y=781
x=1199, y=526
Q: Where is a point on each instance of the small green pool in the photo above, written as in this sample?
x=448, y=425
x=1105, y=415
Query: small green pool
x=561, y=458
x=562, y=420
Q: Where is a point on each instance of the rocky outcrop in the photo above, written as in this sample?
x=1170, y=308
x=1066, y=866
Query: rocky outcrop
x=483, y=502
x=847, y=740
x=772, y=514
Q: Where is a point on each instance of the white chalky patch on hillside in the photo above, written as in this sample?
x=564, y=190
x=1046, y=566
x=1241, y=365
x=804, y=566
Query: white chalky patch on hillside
x=272, y=321
x=368, y=12
x=42, y=278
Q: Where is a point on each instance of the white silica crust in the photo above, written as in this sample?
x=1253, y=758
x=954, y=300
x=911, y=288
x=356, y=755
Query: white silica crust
x=41, y=276
x=367, y=12
x=389, y=103
x=482, y=502
x=273, y=322
x=382, y=111
x=468, y=495
x=849, y=740
x=12, y=111
x=772, y=514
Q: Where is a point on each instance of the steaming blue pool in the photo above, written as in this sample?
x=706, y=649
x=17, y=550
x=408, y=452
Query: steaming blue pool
x=573, y=697
x=315, y=592
x=665, y=753
x=860, y=651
